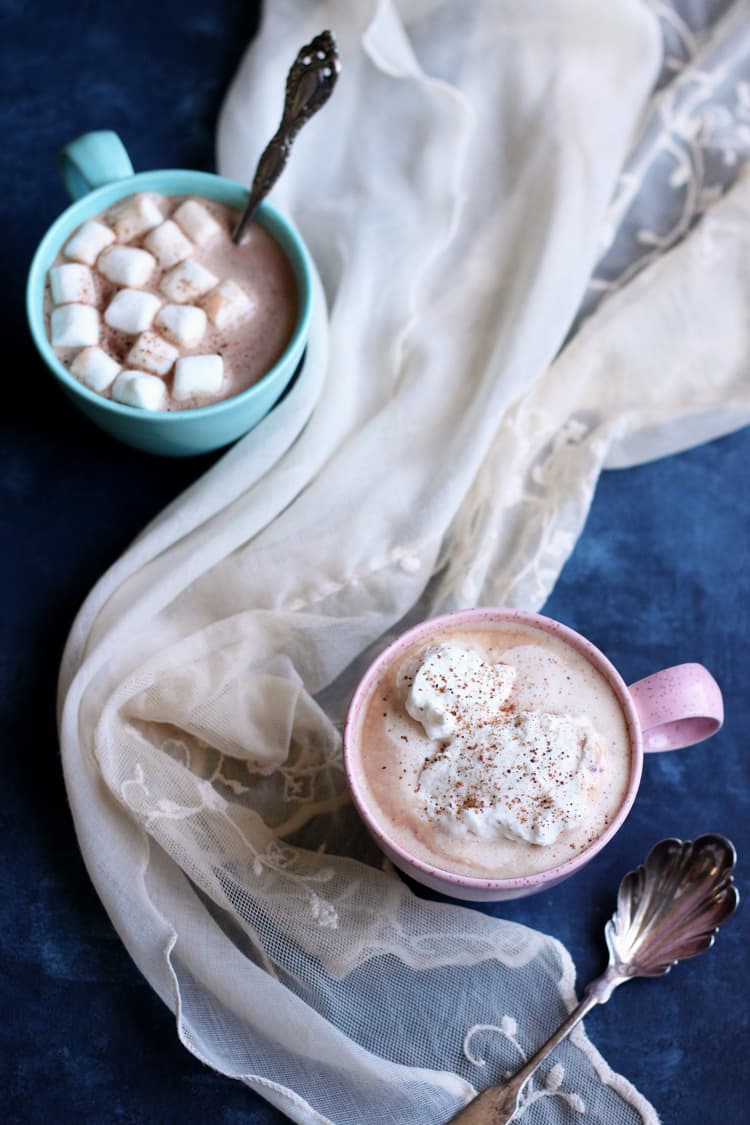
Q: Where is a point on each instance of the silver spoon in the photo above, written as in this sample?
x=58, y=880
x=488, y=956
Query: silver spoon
x=309, y=85
x=668, y=909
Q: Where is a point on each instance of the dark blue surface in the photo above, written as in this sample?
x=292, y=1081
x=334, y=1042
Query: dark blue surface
x=660, y=575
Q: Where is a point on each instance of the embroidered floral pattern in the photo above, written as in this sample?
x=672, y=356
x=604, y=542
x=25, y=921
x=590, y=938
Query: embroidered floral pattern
x=548, y=1085
x=690, y=149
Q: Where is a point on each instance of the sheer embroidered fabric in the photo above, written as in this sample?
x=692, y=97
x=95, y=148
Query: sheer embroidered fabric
x=471, y=206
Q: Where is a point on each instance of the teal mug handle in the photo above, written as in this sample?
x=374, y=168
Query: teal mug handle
x=93, y=160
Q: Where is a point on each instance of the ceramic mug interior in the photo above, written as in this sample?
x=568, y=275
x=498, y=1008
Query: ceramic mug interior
x=463, y=886
x=98, y=172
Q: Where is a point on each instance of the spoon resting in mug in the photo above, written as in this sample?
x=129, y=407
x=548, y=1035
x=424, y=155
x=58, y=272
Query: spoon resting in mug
x=668, y=909
x=309, y=85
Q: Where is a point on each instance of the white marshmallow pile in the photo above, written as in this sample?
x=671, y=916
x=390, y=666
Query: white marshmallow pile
x=161, y=329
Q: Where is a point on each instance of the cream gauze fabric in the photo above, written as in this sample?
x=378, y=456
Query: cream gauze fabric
x=534, y=250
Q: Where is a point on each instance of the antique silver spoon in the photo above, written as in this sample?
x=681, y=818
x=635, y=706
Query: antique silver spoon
x=668, y=909
x=309, y=85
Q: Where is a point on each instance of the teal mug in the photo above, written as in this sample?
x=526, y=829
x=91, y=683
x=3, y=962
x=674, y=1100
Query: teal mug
x=97, y=172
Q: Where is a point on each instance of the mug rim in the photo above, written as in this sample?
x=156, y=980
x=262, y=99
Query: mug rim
x=128, y=186
x=579, y=643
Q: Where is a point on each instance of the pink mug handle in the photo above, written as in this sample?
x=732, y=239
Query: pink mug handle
x=677, y=707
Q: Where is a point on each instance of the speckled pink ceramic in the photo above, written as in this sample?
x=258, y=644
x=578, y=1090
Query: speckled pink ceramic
x=673, y=708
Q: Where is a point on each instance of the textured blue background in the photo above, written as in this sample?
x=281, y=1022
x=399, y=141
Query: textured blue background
x=660, y=575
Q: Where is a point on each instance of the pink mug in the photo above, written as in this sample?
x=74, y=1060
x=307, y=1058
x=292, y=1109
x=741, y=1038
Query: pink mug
x=673, y=708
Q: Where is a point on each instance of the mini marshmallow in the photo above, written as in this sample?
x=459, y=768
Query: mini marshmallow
x=187, y=281
x=197, y=222
x=135, y=215
x=153, y=354
x=197, y=375
x=184, y=324
x=227, y=303
x=168, y=244
x=88, y=242
x=131, y=311
x=138, y=388
x=74, y=326
x=126, y=266
x=95, y=368
x=72, y=284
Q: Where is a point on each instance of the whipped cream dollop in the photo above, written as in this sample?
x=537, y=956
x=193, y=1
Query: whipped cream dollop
x=454, y=689
x=499, y=771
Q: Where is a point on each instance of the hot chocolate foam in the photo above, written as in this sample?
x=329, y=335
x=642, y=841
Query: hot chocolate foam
x=496, y=752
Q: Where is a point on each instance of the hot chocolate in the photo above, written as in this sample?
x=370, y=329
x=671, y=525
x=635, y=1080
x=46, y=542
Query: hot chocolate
x=496, y=751
x=151, y=304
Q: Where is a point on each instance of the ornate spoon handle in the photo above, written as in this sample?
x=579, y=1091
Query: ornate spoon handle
x=668, y=909
x=309, y=85
x=497, y=1104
